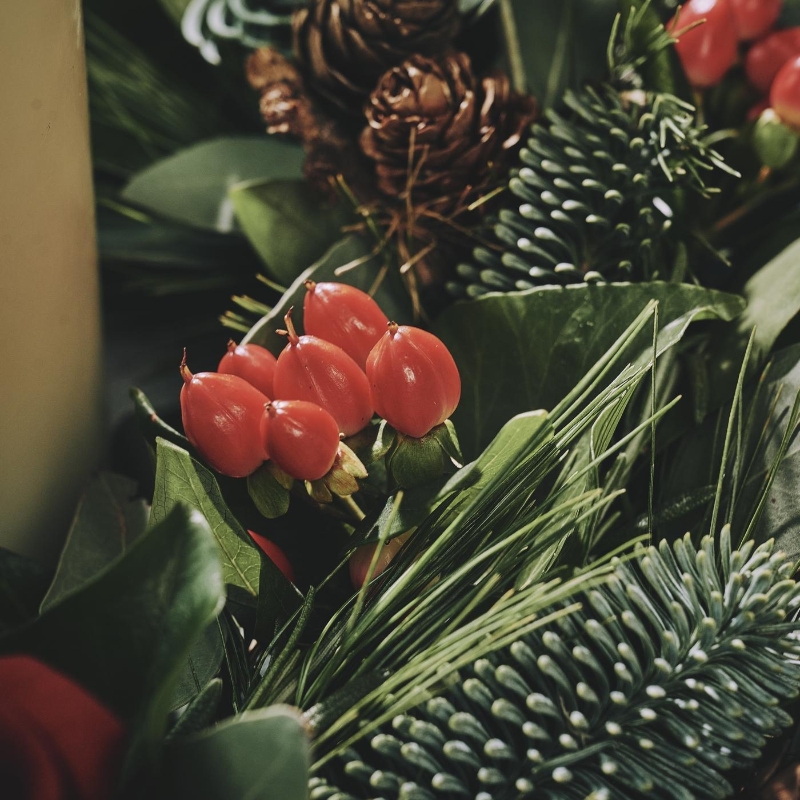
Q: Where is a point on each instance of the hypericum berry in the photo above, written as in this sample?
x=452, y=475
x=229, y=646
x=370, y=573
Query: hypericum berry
x=222, y=418
x=708, y=50
x=414, y=380
x=785, y=93
x=361, y=559
x=274, y=554
x=753, y=18
x=252, y=362
x=344, y=316
x=765, y=58
x=301, y=438
x=317, y=371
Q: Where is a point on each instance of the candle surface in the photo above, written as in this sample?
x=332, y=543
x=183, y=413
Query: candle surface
x=50, y=401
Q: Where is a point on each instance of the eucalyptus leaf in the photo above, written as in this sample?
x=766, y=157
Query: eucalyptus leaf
x=258, y=755
x=23, y=584
x=125, y=635
x=352, y=251
x=525, y=350
x=109, y=519
x=192, y=185
x=289, y=224
x=180, y=479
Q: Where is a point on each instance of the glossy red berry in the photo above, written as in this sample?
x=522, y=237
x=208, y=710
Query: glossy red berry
x=317, y=371
x=708, y=50
x=222, y=418
x=274, y=554
x=301, y=438
x=252, y=362
x=753, y=18
x=414, y=380
x=765, y=58
x=361, y=560
x=344, y=316
x=785, y=93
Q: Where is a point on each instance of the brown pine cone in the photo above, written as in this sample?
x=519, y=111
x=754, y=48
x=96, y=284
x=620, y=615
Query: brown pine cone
x=344, y=46
x=437, y=131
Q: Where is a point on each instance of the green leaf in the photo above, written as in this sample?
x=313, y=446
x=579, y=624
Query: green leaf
x=352, y=250
x=270, y=496
x=192, y=185
x=201, y=666
x=23, y=584
x=108, y=520
x=522, y=351
x=258, y=755
x=180, y=479
x=562, y=43
x=200, y=712
x=126, y=634
x=289, y=224
x=773, y=300
x=151, y=424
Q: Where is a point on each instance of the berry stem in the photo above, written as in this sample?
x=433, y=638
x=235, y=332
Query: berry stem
x=231, y=345
x=185, y=372
x=309, y=284
x=392, y=326
x=290, y=330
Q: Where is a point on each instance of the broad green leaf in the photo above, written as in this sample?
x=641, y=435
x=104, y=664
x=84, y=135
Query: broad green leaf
x=201, y=666
x=352, y=251
x=182, y=480
x=151, y=424
x=200, y=712
x=525, y=350
x=126, y=634
x=289, y=224
x=192, y=185
x=562, y=43
x=258, y=755
x=271, y=498
x=773, y=300
x=23, y=584
x=109, y=519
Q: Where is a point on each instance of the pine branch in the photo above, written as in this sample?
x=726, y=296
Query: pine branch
x=668, y=677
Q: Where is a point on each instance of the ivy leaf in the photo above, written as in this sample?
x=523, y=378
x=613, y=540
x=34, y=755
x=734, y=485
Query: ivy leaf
x=181, y=479
x=262, y=754
x=108, y=520
x=201, y=666
x=289, y=224
x=192, y=185
x=169, y=583
x=352, y=250
x=522, y=351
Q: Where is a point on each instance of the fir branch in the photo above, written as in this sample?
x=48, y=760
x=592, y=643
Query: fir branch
x=667, y=677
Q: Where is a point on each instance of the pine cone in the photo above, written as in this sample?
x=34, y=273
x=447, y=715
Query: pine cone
x=436, y=130
x=284, y=103
x=346, y=45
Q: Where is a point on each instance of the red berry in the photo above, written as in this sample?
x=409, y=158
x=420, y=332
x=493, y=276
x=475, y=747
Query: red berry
x=765, y=58
x=344, y=316
x=414, y=381
x=301, y=438
x=785, y=93
x=319, y=372
x=252, y=362
x=222, y=418
x=361, y=559
x=709, y=50
x=274, y=554
x=753, y=18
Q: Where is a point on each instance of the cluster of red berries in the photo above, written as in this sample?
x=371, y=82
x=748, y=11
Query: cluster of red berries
x=709, y=34
x=326, y=384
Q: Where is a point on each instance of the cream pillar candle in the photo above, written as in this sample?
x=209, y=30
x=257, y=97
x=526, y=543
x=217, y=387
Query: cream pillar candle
x=50, y=411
